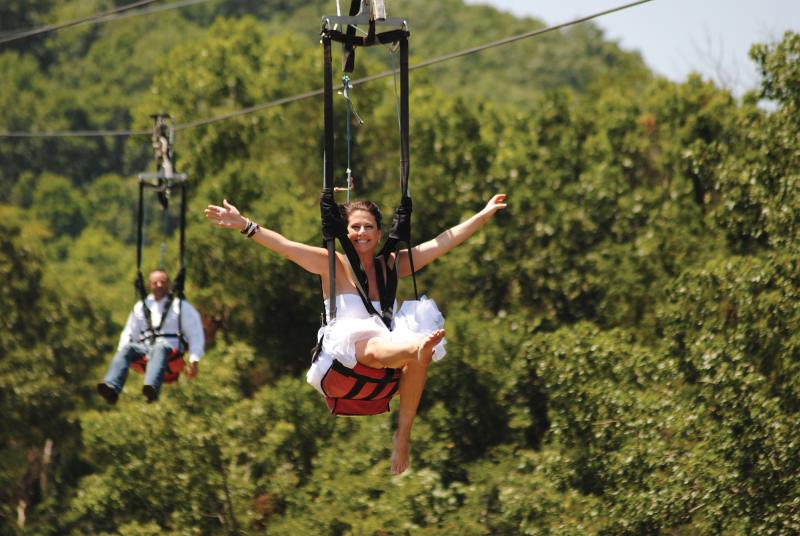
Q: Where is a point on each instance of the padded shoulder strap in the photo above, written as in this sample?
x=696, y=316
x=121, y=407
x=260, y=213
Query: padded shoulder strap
x=334, y=227
x=387, y=289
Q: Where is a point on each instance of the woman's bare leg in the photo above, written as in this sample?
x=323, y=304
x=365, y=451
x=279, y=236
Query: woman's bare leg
x=382, y=353
x=412, y=383
x=413, y=357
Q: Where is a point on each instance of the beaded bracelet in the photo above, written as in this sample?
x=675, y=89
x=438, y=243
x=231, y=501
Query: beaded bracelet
x=250, y=228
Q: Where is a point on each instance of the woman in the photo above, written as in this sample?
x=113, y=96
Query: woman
x=358, y=337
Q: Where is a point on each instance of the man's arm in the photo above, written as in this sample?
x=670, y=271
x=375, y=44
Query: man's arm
x=192, y=329
x=131, y=327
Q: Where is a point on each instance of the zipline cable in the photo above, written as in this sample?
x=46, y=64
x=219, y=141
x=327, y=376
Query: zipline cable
x=151, y=10
x=315, y=93
x=76, y=22
x=125, y=15
x=526, y=35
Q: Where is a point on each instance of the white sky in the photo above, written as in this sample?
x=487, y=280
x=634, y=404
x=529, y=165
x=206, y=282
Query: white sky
x=677, y=37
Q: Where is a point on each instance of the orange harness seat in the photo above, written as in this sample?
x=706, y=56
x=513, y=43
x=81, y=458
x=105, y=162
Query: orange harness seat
x=175, y=364
x=360, y=390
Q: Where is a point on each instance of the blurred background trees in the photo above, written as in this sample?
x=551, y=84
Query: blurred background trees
x=623, y=348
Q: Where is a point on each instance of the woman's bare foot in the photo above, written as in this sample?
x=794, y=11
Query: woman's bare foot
x=399, y=454
x=425, y=352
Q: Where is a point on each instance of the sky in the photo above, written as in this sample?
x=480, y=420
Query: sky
x=676, y=37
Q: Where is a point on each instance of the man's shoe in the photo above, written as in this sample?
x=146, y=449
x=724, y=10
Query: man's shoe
x=108, y=392
x=150, y=392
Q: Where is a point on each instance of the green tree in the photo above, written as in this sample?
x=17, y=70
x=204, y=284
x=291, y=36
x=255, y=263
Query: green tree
x=58, y=204
x=758, y=180
x=729, y=325
x=51, y=340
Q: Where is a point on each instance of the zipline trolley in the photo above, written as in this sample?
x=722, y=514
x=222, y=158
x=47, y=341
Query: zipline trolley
x=164, y=181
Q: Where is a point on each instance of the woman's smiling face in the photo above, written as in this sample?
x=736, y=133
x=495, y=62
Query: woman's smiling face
x=362, y=230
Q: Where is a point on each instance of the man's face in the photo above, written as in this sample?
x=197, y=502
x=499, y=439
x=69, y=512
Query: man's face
x=159, y=284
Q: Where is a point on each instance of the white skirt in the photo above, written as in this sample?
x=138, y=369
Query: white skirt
x=415, y=319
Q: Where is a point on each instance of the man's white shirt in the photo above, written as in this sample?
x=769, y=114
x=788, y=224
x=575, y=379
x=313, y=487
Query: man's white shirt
x=191, y=325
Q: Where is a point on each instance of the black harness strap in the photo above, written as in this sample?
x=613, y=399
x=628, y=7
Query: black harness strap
x=151, y=333
x=327, y=202
x=139, y=281
x=334, y=225
x=389, y=378
x=393, y=390
x=353, y=41
x=332, y=221
x=400, y=231
x=163, y=184
x=360, y=381
x=349, y=56
x=387, y=289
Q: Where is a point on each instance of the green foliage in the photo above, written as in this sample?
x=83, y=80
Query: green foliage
x=253, y=307
x=622, y=355
x=22, y=15
x=233, y=68
x=110, y=204
x=199, y=460
x=730, y=326
x=51, y=338
x=758, y=176
x=59, y=205
x=22, y=89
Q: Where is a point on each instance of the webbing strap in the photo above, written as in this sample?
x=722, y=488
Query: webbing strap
x=393, y=390
x=405, y=163
x=331, y=230
x=387, y=289
x=139, y=281
x=349, y=56
x=388, y=378
x=355, y=390
x=177, y=290
x=329, y=242
x=400, y=231
x=352, y=41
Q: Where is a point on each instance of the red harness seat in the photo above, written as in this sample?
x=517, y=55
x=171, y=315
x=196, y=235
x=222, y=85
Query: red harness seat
x=360, y=390
x=175, y=364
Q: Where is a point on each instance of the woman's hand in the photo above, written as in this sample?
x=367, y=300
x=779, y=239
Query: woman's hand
x=497, y=202
x=227, y=216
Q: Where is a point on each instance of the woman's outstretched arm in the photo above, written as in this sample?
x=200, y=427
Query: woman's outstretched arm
x=433, y=249
x=312, y=259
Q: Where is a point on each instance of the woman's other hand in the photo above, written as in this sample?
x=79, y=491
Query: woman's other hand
x=227, y=216
x=497, y=202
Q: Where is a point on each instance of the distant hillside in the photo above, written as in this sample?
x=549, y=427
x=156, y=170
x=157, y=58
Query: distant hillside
x=579, y=58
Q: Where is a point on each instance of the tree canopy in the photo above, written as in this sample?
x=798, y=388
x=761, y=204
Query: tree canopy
x=623, y=338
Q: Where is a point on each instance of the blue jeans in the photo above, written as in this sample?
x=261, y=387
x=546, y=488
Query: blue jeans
x=156, y=364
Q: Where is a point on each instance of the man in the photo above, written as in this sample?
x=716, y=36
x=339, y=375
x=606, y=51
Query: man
x=156, y=340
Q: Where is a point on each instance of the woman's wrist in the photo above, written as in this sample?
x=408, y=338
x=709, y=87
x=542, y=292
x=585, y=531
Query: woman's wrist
x=250, y=228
